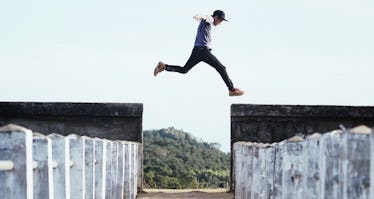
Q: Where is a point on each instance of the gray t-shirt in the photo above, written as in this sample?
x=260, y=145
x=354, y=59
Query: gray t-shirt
x=203, y=34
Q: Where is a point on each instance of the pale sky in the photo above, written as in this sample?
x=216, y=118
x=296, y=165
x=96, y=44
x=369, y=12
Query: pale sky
x=279, y=52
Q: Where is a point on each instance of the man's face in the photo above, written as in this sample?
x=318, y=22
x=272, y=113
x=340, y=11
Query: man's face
x=217, y=21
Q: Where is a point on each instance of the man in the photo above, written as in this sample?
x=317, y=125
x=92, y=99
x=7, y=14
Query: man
x=201, y=52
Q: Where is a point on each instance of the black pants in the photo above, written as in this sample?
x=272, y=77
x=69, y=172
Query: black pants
x=202, y=53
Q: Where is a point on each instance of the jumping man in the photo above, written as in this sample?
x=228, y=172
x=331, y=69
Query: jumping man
x=201, y=51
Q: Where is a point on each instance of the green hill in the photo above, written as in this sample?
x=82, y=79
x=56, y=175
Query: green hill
x=174, y=159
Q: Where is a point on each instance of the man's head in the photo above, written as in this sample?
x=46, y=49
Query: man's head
x=218, y=17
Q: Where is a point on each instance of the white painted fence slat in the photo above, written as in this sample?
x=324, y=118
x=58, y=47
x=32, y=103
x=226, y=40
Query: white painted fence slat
x=100, y=145
x=108, y=170
x=77, y=168
x=121, y=169
x=89, y=154
x=331, y=180
x=356, y=165
x=43, y=173
x=270, y=169
x=293, y=178
x=16, y=151
x=278, y=171
x=61, y=173
x=313, y=165
x=242, y=166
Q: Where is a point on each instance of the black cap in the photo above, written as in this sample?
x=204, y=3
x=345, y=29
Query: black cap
x=220, y=14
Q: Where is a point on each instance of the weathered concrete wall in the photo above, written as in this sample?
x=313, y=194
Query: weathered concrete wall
x=275, y=123
x=55, y=166
x=114, y=121
x=337, y=164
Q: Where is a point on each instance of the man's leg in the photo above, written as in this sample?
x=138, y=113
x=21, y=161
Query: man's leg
x=191, y=62
x=210, y=59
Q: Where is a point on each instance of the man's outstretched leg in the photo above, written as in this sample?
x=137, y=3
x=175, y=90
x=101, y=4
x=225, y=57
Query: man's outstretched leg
x=210, y=59
x=191, y=62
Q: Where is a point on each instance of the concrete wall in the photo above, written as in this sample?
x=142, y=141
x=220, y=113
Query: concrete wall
x=336, y=165
x=275, y=123
x=112, y=121
x=33, y=165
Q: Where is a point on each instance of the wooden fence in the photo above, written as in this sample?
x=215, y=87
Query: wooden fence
x=334, y=165
x=67, y=167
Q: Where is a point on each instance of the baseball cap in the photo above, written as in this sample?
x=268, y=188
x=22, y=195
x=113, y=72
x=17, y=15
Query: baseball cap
x=220, y=14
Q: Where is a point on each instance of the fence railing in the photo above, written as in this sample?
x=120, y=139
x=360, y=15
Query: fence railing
x=334, y=165
x=55, y=166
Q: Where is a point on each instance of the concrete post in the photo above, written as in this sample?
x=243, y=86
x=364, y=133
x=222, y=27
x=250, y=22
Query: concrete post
x=115, y=193
x=121, y=169
x=43, y=173
x=278, y=170
x=313, y=166
x=134, y=169
x=89, y=164
x=330, y=167
x=127, y=170
x=77, y=168
x=16, y=162
x=256, y=170
x=61, y=166
x=293, y=169
x=108, y=169
x=269, y=172
x=355, y=159
x=100, y=151
x=243, y=159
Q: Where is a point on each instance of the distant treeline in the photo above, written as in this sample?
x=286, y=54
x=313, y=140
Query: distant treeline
x=174, y=159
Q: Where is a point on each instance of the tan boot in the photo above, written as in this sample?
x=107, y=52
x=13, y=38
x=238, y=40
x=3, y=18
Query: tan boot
x=236, y=92
x=159, y=68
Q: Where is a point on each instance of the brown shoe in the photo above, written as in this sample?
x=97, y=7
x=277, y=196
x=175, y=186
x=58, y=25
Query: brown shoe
x=236, y=92
x=159, y=68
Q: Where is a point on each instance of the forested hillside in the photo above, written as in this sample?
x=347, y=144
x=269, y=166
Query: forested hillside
x=176, y=160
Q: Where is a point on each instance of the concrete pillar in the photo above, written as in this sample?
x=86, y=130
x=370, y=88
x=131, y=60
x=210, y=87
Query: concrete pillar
x=77, y=168
x=330, y=165
x=114, y=164
x=293, y=180
x=269, y=171
x=108, y=169
x=127, y=170
x=121, y=169
x=135, y=169
x=89, y=154
x=256, y=170
x=61, y=166
x=43, y=171
x=243, y=159
x=355, y=159
x=313, y=166
x=16, y=173
x=278, y=170
x=100, y=151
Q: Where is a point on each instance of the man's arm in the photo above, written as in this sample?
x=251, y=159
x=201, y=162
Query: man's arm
x=206, y=18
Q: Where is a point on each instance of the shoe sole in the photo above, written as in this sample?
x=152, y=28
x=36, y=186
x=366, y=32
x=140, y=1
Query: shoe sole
x=236, y=94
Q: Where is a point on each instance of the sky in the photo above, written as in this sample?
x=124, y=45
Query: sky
x=280, y=52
